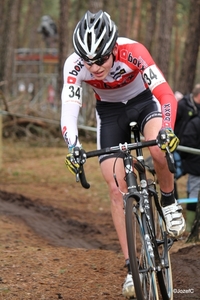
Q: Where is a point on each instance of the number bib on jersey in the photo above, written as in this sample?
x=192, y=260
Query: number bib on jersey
x=72, y=93
x=153, y=77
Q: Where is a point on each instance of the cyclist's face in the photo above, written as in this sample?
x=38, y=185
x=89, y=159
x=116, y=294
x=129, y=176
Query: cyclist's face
x=100, y=72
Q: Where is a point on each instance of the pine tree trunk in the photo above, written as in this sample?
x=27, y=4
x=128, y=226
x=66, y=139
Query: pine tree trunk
x=191, y=49
x=165, y=35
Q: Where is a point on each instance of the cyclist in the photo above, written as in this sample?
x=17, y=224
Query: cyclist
x=128, y=86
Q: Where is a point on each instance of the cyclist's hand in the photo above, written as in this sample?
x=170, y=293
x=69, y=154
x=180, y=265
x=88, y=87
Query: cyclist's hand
x=71, y=164
x=75, y=159
x=167, y=138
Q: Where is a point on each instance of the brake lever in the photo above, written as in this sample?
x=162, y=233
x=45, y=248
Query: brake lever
x=80, y=176
x=77, y=177
x=170, y=161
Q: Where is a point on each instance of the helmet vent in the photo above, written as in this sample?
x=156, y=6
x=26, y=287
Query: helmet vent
x=96, y=25
x=89, y=41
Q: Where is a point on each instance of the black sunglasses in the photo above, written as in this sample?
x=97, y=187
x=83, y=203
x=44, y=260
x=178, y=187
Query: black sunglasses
x=99, y=62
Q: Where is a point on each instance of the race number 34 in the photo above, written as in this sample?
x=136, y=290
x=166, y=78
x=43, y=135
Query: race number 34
x=72, y=93
x=153, y=77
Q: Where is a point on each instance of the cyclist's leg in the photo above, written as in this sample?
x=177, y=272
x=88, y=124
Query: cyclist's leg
x=113, y=128
x=118, y=214
x=171, y=210
x=165, y=177
x=110, y=133
x=116, y=198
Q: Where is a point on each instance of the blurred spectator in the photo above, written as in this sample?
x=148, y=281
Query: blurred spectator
x=178, y=95
x=191, y=166
x=187, y=128
x=188, y=107
x=48, y=29
x=51, y=95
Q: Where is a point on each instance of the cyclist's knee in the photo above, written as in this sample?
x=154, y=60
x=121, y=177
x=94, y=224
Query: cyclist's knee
x=115, y=193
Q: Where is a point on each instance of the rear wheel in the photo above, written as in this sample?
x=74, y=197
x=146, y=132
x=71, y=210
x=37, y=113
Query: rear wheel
x=163, y=243
x=161, y=247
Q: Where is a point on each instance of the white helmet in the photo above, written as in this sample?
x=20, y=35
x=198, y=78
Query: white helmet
x=95, y=35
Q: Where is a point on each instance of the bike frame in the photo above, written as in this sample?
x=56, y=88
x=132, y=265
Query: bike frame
x=139, y=196
x=138, y=201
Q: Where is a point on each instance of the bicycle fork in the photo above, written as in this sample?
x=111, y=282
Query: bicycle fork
x=141, y=197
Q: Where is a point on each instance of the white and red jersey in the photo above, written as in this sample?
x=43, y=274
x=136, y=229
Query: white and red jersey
x=133, y=71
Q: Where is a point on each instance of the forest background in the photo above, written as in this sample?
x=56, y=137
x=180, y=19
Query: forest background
x=30, y=87
x=42, y=207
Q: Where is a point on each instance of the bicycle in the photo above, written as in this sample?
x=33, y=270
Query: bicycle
x=148, y=243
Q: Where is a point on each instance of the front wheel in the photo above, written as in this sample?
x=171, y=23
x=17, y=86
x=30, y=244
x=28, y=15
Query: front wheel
x=140, y=256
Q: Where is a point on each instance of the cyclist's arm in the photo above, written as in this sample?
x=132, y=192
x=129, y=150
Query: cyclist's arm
x=69, y=118
x=158, y=86
x=168, y=103
x=162, y=91
x=71, y=98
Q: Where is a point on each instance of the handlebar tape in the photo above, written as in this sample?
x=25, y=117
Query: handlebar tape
x=83, y=180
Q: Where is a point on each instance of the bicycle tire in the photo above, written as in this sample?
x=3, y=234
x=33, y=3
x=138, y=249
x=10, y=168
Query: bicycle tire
x=161, y=246
x=143, y=271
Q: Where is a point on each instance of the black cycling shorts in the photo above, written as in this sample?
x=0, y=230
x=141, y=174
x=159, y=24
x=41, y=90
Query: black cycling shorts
x=114, y=119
